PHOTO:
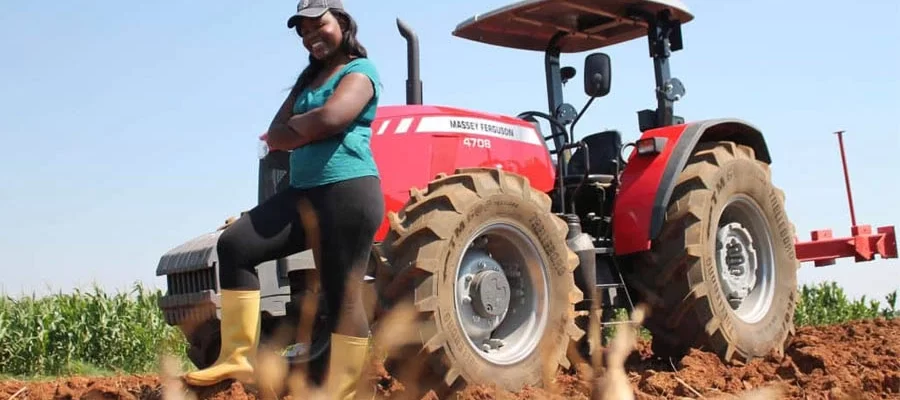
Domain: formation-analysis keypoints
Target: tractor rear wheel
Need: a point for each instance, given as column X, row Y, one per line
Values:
column 491, row 277
column 722, row 275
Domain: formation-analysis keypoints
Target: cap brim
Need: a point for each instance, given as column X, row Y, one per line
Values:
column 311, row 12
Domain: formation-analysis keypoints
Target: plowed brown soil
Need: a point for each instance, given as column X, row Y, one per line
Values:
column 859, row 360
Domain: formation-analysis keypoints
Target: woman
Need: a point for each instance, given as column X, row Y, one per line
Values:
column 325, row 121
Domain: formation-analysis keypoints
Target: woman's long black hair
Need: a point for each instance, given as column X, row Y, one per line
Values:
column 350, row 45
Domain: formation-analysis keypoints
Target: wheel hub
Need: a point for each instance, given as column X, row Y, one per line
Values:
column 745, row 257
column 501, row 293
column 480, row 298
column 739, row 262
column 490, row 293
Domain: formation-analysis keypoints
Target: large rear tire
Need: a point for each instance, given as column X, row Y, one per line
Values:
column 482, row 255
column 722, row 276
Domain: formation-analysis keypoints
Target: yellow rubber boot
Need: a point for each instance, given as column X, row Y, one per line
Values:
column 240, row 338
column 348, row 357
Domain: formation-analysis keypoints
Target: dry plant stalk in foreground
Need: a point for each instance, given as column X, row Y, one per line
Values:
column 614, row 384
column 395, row 334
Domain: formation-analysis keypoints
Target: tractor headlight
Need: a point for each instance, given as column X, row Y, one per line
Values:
column 652, row 145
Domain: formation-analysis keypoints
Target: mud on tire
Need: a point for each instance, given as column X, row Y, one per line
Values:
column 427, row 248
column 680, row 279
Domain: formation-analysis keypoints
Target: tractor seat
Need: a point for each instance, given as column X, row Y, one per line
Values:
column 604, row 149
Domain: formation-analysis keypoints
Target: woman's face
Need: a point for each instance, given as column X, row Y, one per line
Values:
column 321, row 36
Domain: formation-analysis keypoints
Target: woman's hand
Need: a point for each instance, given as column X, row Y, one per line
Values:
column 278, row 135
column 273, row 142
column 282, row 137
column 265, row 138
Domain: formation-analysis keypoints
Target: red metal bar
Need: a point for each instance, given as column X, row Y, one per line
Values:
column 862, row 245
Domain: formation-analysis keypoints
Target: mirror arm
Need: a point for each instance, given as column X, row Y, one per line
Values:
column 578, row 117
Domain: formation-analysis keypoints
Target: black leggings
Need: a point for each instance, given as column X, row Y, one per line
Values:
column 339, row 218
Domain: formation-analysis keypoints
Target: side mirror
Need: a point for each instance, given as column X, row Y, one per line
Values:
column 597, row 75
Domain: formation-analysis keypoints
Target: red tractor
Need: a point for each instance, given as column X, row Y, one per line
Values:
column 502, row 234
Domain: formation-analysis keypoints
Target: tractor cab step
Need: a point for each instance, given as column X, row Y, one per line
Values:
column 610, row 286
column 610, row 289
column 613, row 296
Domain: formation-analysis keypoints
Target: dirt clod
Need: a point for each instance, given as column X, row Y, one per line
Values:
column 849, row 361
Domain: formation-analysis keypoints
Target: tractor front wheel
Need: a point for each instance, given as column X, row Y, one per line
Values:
column 722, row 275
column 493, row 280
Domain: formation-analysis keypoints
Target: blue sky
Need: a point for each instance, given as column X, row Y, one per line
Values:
column 130, row 127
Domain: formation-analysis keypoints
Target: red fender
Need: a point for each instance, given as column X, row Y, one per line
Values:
column 648, row 180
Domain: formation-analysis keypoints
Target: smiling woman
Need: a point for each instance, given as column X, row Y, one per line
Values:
column 334, row 202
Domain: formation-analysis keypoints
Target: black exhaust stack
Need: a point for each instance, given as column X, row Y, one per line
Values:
column 413, row 83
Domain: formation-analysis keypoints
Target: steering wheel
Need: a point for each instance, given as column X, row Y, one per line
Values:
column 553, row 121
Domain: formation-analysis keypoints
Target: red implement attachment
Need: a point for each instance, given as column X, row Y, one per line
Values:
column 863, row 245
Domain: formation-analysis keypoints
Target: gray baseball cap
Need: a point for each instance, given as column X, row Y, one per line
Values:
column 313, row 9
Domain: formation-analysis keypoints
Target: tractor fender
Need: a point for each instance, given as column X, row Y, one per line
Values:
column 647, row 181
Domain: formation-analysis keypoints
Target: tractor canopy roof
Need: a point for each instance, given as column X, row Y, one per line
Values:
column 591, row 24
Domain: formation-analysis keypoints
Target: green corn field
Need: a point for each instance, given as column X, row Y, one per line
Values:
column 827, row 304
column 85, row 332
column 95, row 332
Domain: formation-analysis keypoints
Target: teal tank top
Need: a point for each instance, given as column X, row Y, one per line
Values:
column 344, row 155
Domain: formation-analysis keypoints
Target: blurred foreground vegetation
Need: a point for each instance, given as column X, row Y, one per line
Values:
column 95, row 332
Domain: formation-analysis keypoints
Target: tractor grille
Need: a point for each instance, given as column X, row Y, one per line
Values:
column 191, row 281
column 187, row 308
